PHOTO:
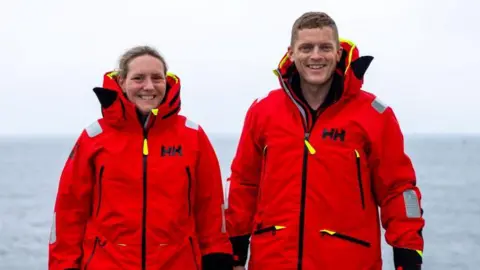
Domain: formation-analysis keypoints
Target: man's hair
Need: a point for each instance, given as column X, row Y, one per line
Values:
column 311, row 20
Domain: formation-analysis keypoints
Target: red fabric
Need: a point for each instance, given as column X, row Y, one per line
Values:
column 267, row 172
column 100, row 201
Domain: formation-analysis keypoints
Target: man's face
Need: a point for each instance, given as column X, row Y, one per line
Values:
column 315, row 53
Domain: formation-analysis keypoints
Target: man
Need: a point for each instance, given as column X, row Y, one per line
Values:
column 315, row 161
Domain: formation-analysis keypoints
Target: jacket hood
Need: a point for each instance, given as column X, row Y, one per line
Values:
column 118, row 110
column 351, row 67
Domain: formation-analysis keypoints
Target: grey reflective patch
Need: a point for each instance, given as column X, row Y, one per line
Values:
column 53, row 230
column 190, row 124
column 224, row 225
column 378, row 105
column 94, row 129
column 412, row 206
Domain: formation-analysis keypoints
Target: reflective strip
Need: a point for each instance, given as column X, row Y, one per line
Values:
column 378, row 105
column 190, row 124
column 53, row 230
column 224, row 222
column 412, row 206
column 94, row 129
column 112, row 74
column 173, row 76
column 350, row 52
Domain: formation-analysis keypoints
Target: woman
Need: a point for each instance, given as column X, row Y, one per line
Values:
column 142, row 187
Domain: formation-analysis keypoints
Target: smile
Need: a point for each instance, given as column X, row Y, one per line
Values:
column 316, row 66
column 146, row 97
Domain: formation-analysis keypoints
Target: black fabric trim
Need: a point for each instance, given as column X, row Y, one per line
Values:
column 174, row 99
column 217, row 261
column 407, row 258
column 172, row 112
column 106, row 97
column 240, row 249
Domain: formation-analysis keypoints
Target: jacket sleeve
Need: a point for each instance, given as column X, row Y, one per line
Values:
column 399, row 198
column 209, row 209
column 244, row 185
column 72, row 208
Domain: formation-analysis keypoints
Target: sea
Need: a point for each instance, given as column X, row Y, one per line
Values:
column 447, row 166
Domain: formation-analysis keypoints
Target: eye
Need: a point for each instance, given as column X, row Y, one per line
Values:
column 326, row 47
column 306, row 47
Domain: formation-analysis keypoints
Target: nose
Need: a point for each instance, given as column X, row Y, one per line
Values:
column 148, row 84
column 317, row 53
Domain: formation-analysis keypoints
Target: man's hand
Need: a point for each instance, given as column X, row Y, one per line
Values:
column 238, row 268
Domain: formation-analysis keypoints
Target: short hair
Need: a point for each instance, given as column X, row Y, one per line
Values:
column 135, row 52
column 310, row 20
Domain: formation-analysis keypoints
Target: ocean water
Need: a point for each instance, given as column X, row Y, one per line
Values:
column 448, row 169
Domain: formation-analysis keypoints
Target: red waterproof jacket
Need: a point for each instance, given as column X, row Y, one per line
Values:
column 307, row 190
column 140, row 197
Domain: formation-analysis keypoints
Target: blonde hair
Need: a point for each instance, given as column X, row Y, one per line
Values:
column 135, row 52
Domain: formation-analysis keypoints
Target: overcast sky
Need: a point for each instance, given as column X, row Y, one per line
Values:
column 54, row 52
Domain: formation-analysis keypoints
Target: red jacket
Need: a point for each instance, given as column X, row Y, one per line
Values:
column 131, row 197
column 307, row 190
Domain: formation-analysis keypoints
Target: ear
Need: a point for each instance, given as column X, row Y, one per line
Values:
column 290, row 52
column 360, row 66
column 121, row 81
column 339, row 54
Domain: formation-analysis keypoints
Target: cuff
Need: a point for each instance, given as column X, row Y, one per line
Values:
column 407, row 259
column 240, row 249
column 217, row 261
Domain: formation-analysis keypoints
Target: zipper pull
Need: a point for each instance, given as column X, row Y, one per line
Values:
column 310, row 147
column 145, row 147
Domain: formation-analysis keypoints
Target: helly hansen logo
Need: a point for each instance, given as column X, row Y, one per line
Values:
column 334, row 134
column 172, row 150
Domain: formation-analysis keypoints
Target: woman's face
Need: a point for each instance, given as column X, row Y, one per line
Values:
column 145, row 83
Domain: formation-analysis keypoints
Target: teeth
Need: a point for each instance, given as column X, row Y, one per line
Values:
column 147, row 97
column 316, row 66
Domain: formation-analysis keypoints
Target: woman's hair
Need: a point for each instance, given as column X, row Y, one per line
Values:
column 135, row 52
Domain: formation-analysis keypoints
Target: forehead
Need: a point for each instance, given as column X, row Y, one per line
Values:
column 316, row 35
column 146, row 64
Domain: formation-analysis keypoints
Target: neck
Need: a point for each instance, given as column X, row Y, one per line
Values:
column 315, row 95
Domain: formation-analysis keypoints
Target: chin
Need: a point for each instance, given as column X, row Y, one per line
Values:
column 317, row 81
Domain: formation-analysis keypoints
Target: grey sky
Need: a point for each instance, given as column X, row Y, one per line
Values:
column 54, row 52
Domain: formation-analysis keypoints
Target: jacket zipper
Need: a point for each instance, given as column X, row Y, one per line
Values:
column 302, row 203
column 193, row 252
column 100, row 177
column 359, row 177
column 92, row 253
column 346, row 237
column 189, row 175
column 144, row 212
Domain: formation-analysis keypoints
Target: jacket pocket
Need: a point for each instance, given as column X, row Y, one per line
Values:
column 189, row 190
column 194, row 255
column 95, row 244
column 272, row 229
column 359, row 178
column 100, row 178
column 345, row 237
